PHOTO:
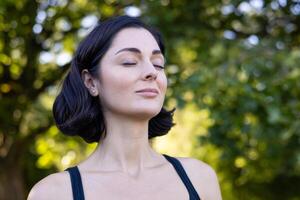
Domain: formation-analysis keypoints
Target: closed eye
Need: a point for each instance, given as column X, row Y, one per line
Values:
column 161, row 67
column 126, row 64
column 129, row 63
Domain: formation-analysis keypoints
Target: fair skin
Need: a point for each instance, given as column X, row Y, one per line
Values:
column 124, row 165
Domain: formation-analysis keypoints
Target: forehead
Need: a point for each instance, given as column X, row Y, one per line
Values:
column 134, row 37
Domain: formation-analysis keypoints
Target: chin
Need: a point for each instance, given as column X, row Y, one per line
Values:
column 146, row 113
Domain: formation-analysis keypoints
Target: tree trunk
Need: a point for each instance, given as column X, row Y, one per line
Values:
column 12, row 183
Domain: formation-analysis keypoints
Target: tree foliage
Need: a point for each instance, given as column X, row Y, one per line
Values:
column 232, row 65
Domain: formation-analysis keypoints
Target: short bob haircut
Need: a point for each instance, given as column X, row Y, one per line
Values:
column 75, row 111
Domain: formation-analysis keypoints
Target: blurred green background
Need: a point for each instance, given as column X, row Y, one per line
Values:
column 234, row 76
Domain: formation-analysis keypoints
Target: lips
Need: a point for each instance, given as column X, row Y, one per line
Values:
column 153, row 90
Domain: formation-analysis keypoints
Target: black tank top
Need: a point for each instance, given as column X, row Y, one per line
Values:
column 78, row 193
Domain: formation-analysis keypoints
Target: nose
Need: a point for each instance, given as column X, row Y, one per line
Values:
column 150, row 72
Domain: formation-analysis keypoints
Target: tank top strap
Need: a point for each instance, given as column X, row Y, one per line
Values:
column 77, row 188
column 184, row 177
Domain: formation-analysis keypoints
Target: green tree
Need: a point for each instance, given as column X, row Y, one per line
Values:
column 236, row 60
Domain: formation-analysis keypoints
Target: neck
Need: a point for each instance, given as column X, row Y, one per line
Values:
column 126, row 148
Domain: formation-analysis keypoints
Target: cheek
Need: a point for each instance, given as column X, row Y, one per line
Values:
column 163, row 83
column 116, row 83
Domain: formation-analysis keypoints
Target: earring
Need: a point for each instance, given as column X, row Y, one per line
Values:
column 93, row 90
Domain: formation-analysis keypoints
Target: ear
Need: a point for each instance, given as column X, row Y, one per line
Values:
column 90, row 82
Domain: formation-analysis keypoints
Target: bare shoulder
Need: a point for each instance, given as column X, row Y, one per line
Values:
column 203, row 177
column 54, row 186
column 197, row 168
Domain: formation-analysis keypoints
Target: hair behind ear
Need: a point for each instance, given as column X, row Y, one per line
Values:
column 75, row 111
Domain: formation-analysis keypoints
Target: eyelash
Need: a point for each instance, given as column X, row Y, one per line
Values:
column 126, row 64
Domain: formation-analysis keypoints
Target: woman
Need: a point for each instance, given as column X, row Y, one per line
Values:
column 114, row 95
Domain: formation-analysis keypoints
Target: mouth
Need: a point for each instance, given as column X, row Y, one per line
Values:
column 148, row 94
column 148, row 90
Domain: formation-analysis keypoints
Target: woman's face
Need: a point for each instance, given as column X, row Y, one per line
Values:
column 133, row 62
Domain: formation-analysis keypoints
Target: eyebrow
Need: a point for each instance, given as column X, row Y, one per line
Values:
column 135, row 50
